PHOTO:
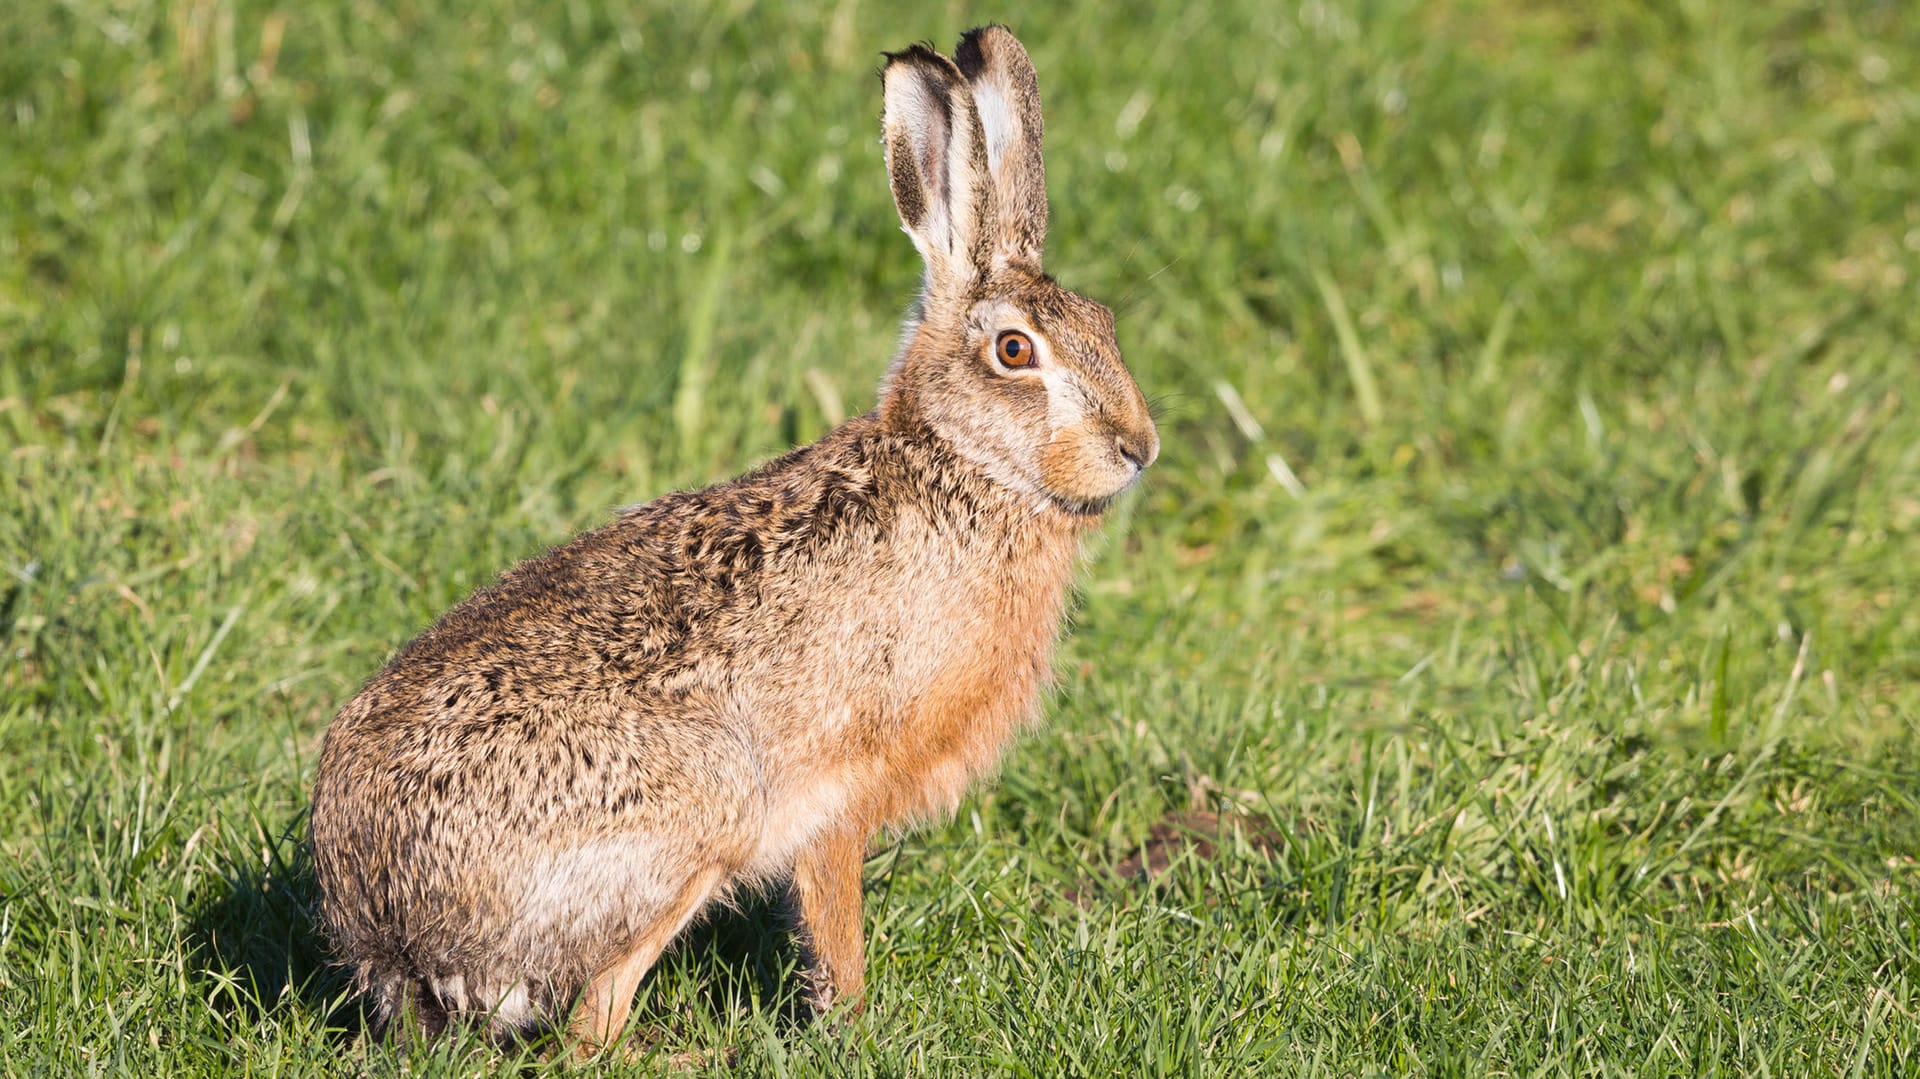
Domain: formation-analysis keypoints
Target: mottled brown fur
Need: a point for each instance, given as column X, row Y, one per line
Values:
column 742, row 684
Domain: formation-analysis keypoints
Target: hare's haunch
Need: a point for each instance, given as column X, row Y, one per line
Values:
column 742, row 684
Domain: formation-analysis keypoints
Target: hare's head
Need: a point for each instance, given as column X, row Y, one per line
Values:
column 1021, row 376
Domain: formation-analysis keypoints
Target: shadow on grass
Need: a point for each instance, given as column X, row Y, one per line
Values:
column 257, row 944
column 260, row 954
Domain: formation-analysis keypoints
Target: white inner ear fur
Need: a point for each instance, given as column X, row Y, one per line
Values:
column 922, row 112
column 913, row 110
column 996, row 121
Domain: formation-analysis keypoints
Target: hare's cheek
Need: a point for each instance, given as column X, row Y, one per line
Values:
column 1066, row 402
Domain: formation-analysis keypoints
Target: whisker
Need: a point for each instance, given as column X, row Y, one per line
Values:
column 1126, row 301
column 1162, row 405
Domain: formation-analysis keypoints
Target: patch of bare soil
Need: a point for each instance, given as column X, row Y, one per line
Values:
column 1196, row 834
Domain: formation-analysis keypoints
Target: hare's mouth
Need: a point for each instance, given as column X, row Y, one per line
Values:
column 1084, row 475
column 1084, row 504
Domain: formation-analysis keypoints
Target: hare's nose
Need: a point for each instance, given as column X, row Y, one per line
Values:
column 1139, row 448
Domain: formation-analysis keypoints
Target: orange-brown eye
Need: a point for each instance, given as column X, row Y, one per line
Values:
column 1015, row 349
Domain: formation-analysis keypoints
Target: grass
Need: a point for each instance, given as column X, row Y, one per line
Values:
column 1512, row 667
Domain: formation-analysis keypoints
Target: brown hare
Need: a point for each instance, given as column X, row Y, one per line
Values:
column 741, row 685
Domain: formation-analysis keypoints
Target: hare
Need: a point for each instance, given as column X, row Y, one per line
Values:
column 741, row 685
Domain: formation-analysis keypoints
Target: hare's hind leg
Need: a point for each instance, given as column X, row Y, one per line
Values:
column 608, row 998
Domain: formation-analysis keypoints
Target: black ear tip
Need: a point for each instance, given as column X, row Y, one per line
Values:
column 918, row 52
column 915, row 54
column 985, row 30
column 992, row 45
column 922, row 57
column 970, row 53
column 966, row 55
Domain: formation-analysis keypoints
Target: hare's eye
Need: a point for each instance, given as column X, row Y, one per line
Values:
column 1015, row 349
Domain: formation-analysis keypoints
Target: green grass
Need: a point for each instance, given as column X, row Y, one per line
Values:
column 1522, row 612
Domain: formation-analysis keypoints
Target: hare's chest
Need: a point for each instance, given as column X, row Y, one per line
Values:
column 921, row 663
column 971, row 684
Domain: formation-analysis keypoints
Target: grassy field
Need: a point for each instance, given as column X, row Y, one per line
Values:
column 1511, row 668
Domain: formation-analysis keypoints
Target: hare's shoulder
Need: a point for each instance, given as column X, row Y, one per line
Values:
column 639, row 598
column 853, row 487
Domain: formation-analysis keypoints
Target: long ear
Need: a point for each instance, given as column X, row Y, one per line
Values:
column 1007, row 95
column 937, row 161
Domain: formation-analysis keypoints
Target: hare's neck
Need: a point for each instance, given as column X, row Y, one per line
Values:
column 963, row 488
column 990, row 484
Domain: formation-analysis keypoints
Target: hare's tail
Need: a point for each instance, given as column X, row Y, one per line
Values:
column 407, row 1007
column 403, row 1009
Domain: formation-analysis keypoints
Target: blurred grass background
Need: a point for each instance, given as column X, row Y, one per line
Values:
column 1511, row 667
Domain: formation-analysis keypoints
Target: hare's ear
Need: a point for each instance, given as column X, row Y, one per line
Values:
column 937, row 161
column 1007, row 96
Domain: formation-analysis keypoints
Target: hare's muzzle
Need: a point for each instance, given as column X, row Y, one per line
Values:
column 1140, row 447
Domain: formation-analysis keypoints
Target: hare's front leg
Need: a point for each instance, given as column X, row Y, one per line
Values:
column 826, row 886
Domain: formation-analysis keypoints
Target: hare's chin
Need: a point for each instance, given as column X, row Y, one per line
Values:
column 1090, row 504
column 1083, row 507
